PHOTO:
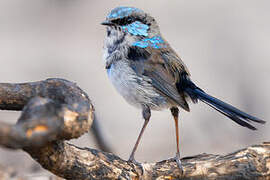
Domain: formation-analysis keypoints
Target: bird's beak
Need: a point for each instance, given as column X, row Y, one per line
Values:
column 107, row 23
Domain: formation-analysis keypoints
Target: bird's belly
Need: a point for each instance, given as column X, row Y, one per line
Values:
column 137, row 90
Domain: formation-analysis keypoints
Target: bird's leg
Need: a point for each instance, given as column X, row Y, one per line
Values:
column 146, row 112
column 175, row 112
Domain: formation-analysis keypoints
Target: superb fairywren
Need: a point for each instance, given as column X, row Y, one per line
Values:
column 148, row 73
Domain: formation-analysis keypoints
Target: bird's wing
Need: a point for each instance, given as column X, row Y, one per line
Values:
column 163, row 67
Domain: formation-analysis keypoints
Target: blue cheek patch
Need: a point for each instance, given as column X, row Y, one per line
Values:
column 155, row 42
column 121, row 12
column 140, row 44
column 136, row 28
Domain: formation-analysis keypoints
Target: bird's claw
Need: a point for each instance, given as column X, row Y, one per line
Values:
column 135, row 163
column 178, row 162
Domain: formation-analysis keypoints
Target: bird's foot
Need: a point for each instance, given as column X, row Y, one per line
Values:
column 178, row 162
column 135, row 163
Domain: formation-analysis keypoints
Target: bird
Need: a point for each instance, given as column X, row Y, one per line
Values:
column 149, row 74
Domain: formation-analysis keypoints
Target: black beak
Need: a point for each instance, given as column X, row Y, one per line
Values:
column 107, row 23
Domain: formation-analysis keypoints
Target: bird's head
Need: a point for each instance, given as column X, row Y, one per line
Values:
column 130, row 21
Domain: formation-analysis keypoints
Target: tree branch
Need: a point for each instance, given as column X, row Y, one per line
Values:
column 71, row 162
column 55, row 110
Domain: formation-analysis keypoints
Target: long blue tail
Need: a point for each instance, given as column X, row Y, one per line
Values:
column 226, row 109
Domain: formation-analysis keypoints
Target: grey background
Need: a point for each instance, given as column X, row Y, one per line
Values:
column 225, row 44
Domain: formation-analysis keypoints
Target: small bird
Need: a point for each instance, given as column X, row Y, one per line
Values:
column 149, row 74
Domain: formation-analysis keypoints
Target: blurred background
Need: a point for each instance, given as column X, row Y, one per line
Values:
column 225, row 45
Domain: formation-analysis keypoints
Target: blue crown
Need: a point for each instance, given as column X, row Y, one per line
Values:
column 121, row 12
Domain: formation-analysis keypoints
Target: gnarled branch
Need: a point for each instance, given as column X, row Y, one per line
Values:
column 71, row 162
column 55, row 110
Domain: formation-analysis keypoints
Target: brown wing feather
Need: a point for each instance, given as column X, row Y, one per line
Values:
column 164, row 68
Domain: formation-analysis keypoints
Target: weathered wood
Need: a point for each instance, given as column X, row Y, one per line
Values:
column 71, row 162
column 55, row 110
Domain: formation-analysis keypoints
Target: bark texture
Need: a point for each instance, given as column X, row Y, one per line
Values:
column 56, row 110
column 71, row 162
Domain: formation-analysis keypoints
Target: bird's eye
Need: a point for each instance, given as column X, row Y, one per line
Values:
column 129, row 20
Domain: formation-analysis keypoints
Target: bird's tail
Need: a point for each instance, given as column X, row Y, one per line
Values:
column 226, row 109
